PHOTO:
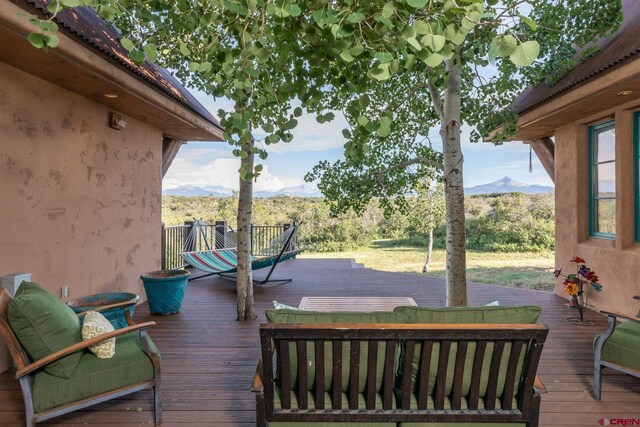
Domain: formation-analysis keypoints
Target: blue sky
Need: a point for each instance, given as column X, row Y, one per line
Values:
column 209, row 164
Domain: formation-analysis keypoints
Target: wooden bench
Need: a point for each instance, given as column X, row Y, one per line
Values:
column 399, row 373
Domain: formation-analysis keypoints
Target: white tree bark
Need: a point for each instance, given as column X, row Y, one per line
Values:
column 425, row 268
column 456, row 292
column 245, row 207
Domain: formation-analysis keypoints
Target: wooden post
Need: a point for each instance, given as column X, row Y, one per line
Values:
column 221, row 234
column 285, row 228
column 170, row 148
column 191, row 246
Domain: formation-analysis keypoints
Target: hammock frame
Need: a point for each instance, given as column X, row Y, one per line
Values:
column 273, row 261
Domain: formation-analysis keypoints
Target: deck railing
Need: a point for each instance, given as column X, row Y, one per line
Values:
column 264, row 240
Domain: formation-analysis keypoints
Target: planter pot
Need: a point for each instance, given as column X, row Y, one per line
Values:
column 115, row 316
column 165, row 290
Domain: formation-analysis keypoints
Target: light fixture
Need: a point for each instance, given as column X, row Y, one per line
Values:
column 111, row 95
column 116, row 122
column 199, row 138
column 624, row 93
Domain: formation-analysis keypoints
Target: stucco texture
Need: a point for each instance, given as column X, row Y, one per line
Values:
column 615, row 261
column 81, row 202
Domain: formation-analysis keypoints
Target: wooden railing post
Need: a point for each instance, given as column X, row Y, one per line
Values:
column 188, row 246
column 221, row 234
column 163, row 246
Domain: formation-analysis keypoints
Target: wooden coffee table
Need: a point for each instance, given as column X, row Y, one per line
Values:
column 354, row 303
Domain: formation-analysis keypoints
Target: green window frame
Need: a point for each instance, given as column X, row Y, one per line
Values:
column 600, row 202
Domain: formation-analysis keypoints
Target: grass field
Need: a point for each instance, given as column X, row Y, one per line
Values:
column 515, row 269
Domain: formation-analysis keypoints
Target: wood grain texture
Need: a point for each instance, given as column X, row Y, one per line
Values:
column 209, row 359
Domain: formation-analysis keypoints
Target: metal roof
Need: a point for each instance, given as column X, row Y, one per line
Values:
column 86, row 24
column 615, row 51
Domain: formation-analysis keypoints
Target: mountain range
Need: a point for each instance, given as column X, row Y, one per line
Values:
column 504, row 185
column 508, row 185
column 301, row 190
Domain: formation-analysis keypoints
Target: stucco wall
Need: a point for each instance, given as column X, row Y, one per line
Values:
column 80, row 202
column 615, row 261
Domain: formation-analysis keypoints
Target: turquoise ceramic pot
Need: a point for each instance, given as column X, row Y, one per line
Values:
column 165, row 290
column 115, row 315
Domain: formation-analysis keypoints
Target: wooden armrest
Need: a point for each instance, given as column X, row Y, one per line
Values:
column 77, row 347
column 620, row 315
column 538, row 386
column 110, row 306
column 257, row 385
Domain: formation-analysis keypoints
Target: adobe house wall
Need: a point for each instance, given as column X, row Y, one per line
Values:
column 615, row 261
column 80, row 202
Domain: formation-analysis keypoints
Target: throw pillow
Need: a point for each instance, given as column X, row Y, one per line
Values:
column 94, row 325
column 44, row 324
column 280, row 306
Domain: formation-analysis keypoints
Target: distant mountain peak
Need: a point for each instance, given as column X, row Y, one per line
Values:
column 508, row 185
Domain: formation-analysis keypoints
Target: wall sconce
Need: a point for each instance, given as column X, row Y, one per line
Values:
column 116, row 122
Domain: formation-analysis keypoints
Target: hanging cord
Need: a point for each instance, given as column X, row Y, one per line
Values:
column 530, row 159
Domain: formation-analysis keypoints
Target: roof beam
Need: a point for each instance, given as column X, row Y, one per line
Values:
column 170, row 148
column 545, row 150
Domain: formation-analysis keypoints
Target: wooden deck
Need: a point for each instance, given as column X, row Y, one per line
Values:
column 209, row 358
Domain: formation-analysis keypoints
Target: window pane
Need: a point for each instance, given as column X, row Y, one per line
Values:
column 606, row 180
column 604, row 212
column 606, row 140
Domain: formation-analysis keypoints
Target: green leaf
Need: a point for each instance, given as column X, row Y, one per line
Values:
column 415, row 43
column 354, row 18
column 346, row 56
column 433, row 60
column 388, row 9
column 52, row 41
column 37, row 40
column 381, row 72
column 502, row 46
column 137, row 56
column 258, row 168
column 297, row 112
column 418, row 4
column 525, row 54
column 293, row 9
column 151, row 51
column 385, row 127
column 346, row 133
column 421, row 27
column 362, row 120
column 433, row 42
column 356, row 50
column 127, row 44
column 383, row 56
column 184, row 49
column 530, row 22
column 291, row 124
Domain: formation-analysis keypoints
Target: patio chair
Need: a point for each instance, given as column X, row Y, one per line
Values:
column 56, row 372
column 618, row 347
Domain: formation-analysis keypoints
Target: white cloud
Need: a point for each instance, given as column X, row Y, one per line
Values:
column 221, row 172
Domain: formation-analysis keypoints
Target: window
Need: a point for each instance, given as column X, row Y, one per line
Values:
column 602, row 180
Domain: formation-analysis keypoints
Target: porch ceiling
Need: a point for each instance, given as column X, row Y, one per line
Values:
column 209, row 358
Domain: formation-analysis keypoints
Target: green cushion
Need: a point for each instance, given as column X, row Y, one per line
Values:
column 502, row 314
column 623, row 346
column 93, row 376
column 456, row 315
column 44, row 324
column 462, row 424
column 314, row 317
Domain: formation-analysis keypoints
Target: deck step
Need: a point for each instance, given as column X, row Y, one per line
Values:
column 355, row 264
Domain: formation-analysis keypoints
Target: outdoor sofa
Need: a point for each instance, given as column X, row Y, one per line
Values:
column 411, row 367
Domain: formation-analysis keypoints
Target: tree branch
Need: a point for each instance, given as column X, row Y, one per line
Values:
column 436, row 100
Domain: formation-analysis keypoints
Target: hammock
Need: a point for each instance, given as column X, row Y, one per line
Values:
column 224, row 261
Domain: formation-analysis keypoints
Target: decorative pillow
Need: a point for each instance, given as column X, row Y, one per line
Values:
column 94, row 325
column 44, row 324
column 280, row 306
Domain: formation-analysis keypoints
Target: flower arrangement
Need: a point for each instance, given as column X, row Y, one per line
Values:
column 574, row 285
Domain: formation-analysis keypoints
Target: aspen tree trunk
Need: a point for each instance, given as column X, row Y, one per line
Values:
column 245, row 206
column 425, row 268
column 456, row 294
